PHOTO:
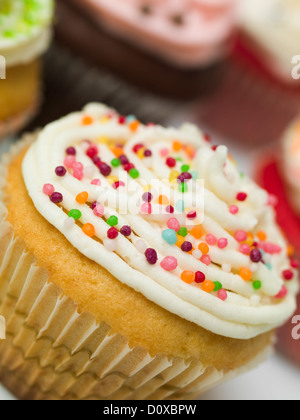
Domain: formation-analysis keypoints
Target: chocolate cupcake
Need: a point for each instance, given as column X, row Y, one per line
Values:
column 169, row 47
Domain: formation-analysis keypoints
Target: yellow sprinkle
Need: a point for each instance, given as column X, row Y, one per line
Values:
column 174, row 175
column 103, row 140
column 104, row 119
column 141, row 153
column 112, row 179
column 147, row 188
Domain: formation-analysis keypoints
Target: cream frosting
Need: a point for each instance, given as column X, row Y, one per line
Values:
column 246, row 312
column 187, row 34
column 24, row 29
column 274, row 25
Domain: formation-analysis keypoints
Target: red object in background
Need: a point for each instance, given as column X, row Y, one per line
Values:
column 251, row 106
column 269, row 177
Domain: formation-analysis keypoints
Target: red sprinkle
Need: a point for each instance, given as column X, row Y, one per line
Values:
column 170, row 209
column 92, row 151
column 241, row 196
column 199, row 277
column 288, row 275
column 112, row 233
column 192, row 215
column 171, row 162
column 295, row 263
column 137, row 147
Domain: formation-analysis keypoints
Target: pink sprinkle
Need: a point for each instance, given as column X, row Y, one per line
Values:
column 146, row 208
column 211, row 239
column 205, row 259
column 174, row 224
column 77, row 166
column 48, row 189
column 169, row 263
column 69, row 161
column 240, row 236
column 272, row 200
column 118, row 184
column 222, row 243
column 96, row 182
column 270, row 248
column 233, row 209
column 164, row 152
column 99, row 210
column 294, row 263
column 282, row 294
column 78, row 174
column 222, row 294
column 245, row 249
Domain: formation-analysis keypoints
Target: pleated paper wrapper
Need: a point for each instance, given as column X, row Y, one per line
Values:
column 53, row 352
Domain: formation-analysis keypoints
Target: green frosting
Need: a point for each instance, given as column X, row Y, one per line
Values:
column 22, row 18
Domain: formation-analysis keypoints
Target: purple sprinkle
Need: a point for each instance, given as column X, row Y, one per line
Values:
column 60, row 171
column 147, row 197
column 123, row 159
column 185, row 176
column 56, row 197
column 126, row 231
column 105, row 169
column 151, row 256
column 148, row 153
column 71, row 151
column 94, row 205
column 256, row 255
column 96, row 160
column 186, row 246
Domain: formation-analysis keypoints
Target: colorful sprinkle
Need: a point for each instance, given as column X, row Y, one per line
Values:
column 188, row 276
column 233, row 209
column 115, row 163
column 169, row 235
column 76, row 214
column 82, row 198
column 222, row 294
column 48, row 189
column 105, row 169
column 197, row 232
column 199, row 277
column 134, row 173
column 151, row 256
column 126, row 231
column 218, row 286
column 186, row 246
column 89, row 229
column 96, row 182
column 69, row 162
column 282, row 294
column 92, row 151
column 71, row 151
column 169, row 263
column 205, row 259
column 255, row 255
column 147, row 197
column 112, row 221
column 112, row 233
column 288, row 275
column 241, row 196
column 245, row 249
column 256, row 285
column 60, row 171
column 245, row 273
column 222, row 243
column 240, row 236
column 174, row 224
column 146, row 208
column 56, row 197
column 182, row 232
column 98, row 210
column 211, row 239
column 208, row 286
column 171, row 162
column 204, row 248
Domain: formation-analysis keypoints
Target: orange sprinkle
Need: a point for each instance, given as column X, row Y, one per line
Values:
column 290, row 250
column 82, row 198
column 180, row 241
column 245, row 273
column 177, row 146
column 89, row 230
column 262, row 236
column 134, row 125
column 118, row 151
column 190, row 151
column 188, row 277
column 87, row 120
column 208, row 286
column 204, row 248
column 197, row 232
column 163, row 200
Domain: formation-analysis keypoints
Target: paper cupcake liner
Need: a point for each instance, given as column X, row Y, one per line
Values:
column 54, row 352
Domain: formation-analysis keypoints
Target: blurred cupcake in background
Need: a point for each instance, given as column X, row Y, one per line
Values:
column 271, row 28
column 170, row 47
column 25, row 33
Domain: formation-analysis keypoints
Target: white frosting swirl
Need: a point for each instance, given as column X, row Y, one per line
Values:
column 247, row 312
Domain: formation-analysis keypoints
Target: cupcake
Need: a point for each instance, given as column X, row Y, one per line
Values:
column 169, row 47
column 272, row 30
column 136, row 263
column 24, row 36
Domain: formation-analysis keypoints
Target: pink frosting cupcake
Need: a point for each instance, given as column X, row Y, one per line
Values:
column 171, row 41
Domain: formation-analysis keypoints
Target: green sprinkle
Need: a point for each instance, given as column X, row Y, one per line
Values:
column 134, row 173
column 183, row 187
column 185, row 168
column 218, row 286
column 112, row 221
column 183, row 232
column 76, row 214
column 115, row 163
column 257, row 285
column 179, row 159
